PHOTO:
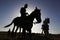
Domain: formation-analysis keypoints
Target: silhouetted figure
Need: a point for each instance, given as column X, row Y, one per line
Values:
column 27, row 23
column 23, row 14
column 23, row 11
column 45, row 27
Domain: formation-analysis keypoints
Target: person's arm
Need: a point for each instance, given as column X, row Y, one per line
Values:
column 27, row 14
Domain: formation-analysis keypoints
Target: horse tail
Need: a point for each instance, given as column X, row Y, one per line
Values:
column 9, row 24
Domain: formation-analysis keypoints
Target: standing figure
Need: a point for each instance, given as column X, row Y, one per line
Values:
column 45, row 26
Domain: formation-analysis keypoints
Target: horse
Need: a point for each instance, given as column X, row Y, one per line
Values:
column 27, row 22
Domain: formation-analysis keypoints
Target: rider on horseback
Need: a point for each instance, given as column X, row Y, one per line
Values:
column 23, row 11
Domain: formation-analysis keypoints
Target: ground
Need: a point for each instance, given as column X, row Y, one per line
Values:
column 35, row 36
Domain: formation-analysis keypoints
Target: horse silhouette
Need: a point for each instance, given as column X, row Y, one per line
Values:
column 27, row 22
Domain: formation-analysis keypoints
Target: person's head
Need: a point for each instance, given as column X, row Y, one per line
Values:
column 26, row 5
column 47, row 20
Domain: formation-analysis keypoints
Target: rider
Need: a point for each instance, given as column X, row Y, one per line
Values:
column 23, row 11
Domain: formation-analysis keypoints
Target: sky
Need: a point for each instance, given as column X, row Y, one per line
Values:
column 9, row 9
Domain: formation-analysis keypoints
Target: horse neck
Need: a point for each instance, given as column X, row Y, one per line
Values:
column 31, row 16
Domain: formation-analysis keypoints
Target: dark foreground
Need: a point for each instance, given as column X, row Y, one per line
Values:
column 35, row 36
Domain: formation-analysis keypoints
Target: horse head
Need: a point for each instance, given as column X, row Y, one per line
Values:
column 37, row 15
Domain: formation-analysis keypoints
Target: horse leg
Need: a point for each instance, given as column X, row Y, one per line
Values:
column 12, row 34
column 30, row 34
column 16, row 29
column 20, row 30
column 13, row 28
column 23, row 34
